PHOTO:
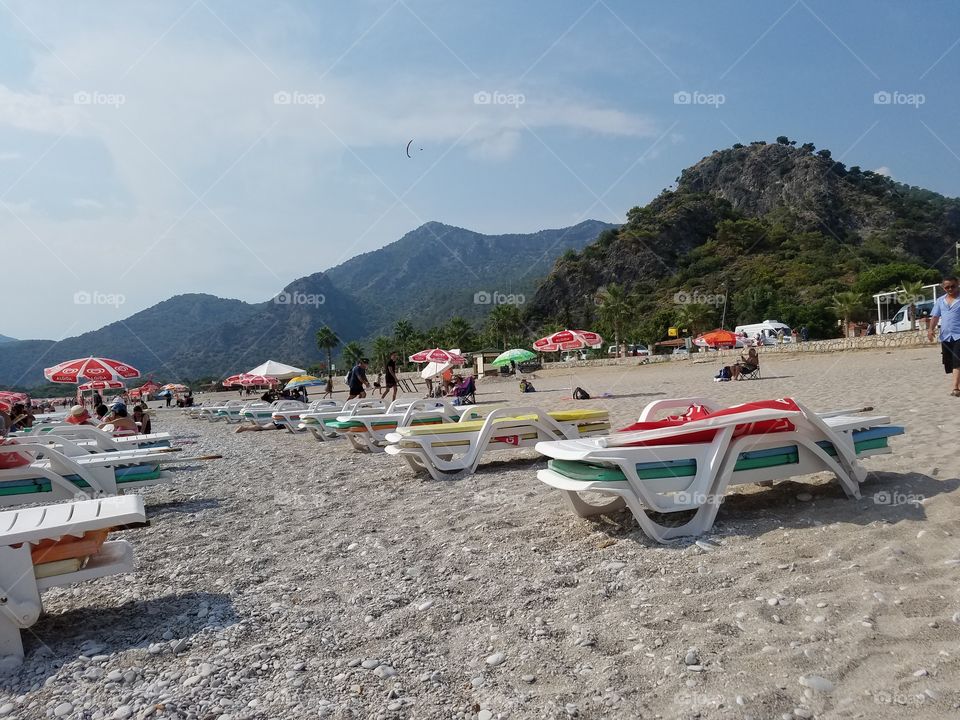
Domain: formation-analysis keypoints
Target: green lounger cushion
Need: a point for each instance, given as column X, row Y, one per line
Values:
column 134, row 474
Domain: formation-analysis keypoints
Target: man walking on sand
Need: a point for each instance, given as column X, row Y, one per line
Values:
column 390, row 370
column 358, row 380
column 946, row 314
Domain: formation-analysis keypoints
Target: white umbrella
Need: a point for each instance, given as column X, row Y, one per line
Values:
column 433, row 369
column 274, row 369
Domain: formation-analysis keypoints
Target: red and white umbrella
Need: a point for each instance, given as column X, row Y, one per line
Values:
column 439, row 356
column 9, row 399
column 101, row 385
column 248, row 380
column 175, row 387
column 568, row 340
column 91, row 368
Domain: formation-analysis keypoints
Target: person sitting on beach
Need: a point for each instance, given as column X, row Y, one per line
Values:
column 118, row 419
column 21, row 417
column 78, row 416
column 142, row 418
column 747, row 365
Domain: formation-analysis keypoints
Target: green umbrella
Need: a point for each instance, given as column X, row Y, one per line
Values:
column 517, row 355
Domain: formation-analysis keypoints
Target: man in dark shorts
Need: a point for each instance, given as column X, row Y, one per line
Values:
column 358, row 379
column 946, row 314
column 390, row 371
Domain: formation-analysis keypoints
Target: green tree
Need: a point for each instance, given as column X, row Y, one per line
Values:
column 912, row 293
column 352, row 352
column 504, row 322
column 404, row 334
column 615, row 307
column 327, row 340
column 382, row 347
column 845, row 306
column 696, row 317
column 458, row 333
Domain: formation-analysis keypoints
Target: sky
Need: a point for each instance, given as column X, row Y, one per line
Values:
column 149, row 149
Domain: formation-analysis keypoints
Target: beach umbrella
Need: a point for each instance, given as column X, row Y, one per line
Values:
column 175, row 387
column 439, row 356
column 90, row 368
column 568, row 340
column 304, row 381
column 716, row 338
column 164, row 393
column 8, row 399
column 100, row 385
column 274, row 369
column 517, row 355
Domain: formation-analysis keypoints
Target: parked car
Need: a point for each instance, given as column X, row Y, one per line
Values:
column 631, row 351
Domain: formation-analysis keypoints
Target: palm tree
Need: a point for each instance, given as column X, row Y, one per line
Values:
column 615, row 310
column 327, row 340
column 382, row 347
column 459, row 334
column 352, row 352
column 504, row 322
column 912, row 291
column 696, row 317
column 403, row 334
column 846, row 305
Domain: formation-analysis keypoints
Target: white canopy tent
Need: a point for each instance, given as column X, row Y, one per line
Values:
column 274, row 369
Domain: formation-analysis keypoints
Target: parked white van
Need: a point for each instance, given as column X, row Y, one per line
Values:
column 901, row 321
column 767, row 330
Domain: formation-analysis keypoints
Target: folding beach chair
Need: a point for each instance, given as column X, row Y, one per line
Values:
column 56, row 546
column 686, row 463
column 368, row 433
column 452, row 450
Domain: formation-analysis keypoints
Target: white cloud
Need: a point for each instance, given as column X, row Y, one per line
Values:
column 36, row 112
column 883, row 170
column 10, row 155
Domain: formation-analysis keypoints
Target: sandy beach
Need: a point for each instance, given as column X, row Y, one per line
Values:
column 297, row 579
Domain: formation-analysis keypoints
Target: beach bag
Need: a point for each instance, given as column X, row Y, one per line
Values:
column 724, row 373
column 349, row 378
column 580, row 394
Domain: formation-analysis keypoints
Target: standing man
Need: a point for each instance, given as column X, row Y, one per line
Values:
column 946, row 314
column 358, row 379
column 390, row 370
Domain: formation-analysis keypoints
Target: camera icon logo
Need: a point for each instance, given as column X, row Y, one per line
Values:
column 482, row 98
column 481, row 298
column 682, row 98
column 82, row 98
column 882, row 98
column 283, row 298
column 82, row 297
column 281, row 98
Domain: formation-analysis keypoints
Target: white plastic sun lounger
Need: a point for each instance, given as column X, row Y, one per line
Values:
column 368, row 433
column 229, row 411
column 101, row 440
column 261, row 415
column 452, row 450
column 53, row 546
column 289, row 418
column 684, row 476
column 69, row 472
column 316, row 422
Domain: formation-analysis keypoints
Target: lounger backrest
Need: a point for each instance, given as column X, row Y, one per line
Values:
column 9, row 460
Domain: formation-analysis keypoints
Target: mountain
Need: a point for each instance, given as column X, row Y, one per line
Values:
column 418, row 277
column 755, row 232
column 4, row 338
column 434, row 272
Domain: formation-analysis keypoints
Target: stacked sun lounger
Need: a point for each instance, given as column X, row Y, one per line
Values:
column 368, row 432
column 450, row 450
column 687, row 462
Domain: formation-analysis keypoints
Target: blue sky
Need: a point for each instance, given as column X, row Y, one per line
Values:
column 155, row 148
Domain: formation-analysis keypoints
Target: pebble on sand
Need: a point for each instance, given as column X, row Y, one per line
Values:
column 496, row 659
column 816, row 683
